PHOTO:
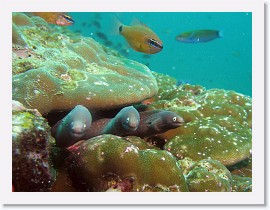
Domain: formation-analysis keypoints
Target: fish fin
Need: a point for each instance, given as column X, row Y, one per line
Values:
column 135, row 21
column 115, row 25
column 221, row 33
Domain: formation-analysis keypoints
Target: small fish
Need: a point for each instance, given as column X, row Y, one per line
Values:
column 58, row 18
column 182, row 82
column 101, row 35
column 96, row 24
column 140, row 37
column 198, row 36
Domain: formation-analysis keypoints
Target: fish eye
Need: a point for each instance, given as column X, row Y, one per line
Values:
column 174, row 119
column 120, row 28
column 154, row 43
column 68, row 18
column 127, row 120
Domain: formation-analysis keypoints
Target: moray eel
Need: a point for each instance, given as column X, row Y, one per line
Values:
column 156, row 121
column 72, row 127
column 126, row 121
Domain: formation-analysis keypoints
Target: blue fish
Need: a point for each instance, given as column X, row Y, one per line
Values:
column 198, row 36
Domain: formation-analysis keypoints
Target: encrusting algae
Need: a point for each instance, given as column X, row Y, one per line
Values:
column 55, row 70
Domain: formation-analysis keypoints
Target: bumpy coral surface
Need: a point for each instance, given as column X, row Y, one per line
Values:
column 109, row 162
column 241, row 184
column 218, row 122
column 56, row 70
column 209, row 176
column 31, row 166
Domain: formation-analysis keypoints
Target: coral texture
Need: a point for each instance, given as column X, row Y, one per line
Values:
column 31, row 165
column 218, row 122
column 102, row 162
column 209, row 176
column 58, row 70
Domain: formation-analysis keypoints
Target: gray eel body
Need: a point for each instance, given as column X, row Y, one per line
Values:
column 72, row 127
column 78, row 125
column 156, row 121
column 126, row 121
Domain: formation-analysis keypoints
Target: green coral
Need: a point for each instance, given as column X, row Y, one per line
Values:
column 241, row 184
column 209, row 176
column 218, row 122
column 212, row 138
column 90, row 75
column 100, row 161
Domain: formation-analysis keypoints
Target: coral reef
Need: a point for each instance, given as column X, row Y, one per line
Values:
column 106, row 161
column 241, row 184
column 207, row 149
column 209, row 176
column 32, row 169
column 65, row 70
column 218, row 122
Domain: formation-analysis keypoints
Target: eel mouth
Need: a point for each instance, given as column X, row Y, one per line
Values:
column 77, row 135
column 178, row 124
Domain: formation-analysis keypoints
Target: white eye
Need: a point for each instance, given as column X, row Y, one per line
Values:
column 127, row 120
column 84, row 125
column 174, row 119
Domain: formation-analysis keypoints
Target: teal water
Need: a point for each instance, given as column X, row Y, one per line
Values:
column 224, row 63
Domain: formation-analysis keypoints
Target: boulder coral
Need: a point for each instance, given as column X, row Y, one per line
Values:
column 65, row 69
column 109, row 162
column 209, row 176
column 218, row 122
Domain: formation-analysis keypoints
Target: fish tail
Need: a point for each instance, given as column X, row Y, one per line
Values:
column 221, row 33
column 115, row 25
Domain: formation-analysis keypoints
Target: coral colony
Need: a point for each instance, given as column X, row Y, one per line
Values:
column 85, row 118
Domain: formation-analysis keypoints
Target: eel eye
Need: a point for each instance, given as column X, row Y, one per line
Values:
column 127, row 120
column 174, row 119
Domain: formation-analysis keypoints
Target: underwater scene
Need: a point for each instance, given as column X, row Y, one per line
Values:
column 131, row 102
